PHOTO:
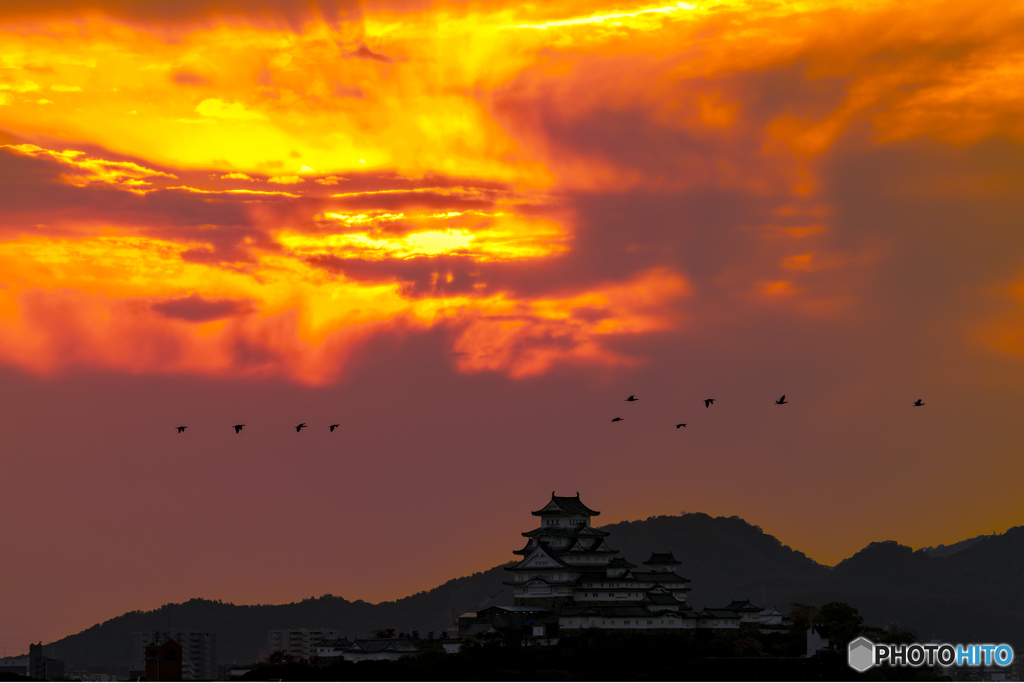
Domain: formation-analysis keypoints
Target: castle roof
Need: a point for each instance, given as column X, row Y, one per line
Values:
column 338, row 643
column 590, row 546
column 383, row 645
column 743, row 606
column 565, row 505
column 615, row 611
column 577, row 530
column 662, row 558
column 660, row 577
column 661, row 599
column 540, row 579
column 555, row 557
column 620, row 562
column 607, row 611
column 512, row 608
column 478, row 630
column 716, row 613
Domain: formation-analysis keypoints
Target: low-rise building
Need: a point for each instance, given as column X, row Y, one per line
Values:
column 198, row 651
column 15, row 665
column 511, row 623
column 773, row 621
column 163, row 661
column 817, row 640
column 717, row 618
column 329, row 650
column 300, row 643
column 41, row 667
column 626, row 617
column 380, row 648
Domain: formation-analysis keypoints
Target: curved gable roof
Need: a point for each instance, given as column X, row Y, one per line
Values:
column 565, row 505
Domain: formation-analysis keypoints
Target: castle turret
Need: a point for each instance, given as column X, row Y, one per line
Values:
column 566, row 560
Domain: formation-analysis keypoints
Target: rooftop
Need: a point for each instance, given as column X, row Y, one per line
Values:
column 662, row 558
column 383, row 645
column 565, row 505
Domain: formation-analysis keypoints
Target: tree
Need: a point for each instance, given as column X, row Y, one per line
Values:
column 278, row 657
column 384, row 633
column 841, row 622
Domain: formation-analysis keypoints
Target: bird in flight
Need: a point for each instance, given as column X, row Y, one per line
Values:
column 333, row 426
column 181, row 429
column 299, row 427
column 238, row 428
column 918, row 402
column 616, row 419
column 781, row 400
column 708, row 402
column 681, row 424
column 632, row 398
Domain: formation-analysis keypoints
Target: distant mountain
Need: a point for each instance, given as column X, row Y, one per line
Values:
column 947, row 550
column 725, row 558
column 973, row 594
column 242, row 629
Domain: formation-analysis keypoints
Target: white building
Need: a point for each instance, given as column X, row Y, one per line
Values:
column 773, row 621
column 568, row 567
column 566, row 560
column 300, row 643
column 815, row 641
column 380, row 648
column 327, row 649
column 198, row 651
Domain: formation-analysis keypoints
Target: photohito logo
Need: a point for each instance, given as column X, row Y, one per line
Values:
column 862, row 654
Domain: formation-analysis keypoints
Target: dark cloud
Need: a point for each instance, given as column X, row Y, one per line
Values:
column 363, row 52
column 33, row 194
column 420, row 277
column 196, row 309
column 416, row 200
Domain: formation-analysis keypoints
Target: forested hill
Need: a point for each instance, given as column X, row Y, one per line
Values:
column 965, row 595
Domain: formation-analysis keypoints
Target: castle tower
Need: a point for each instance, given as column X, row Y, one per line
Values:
column 557, row 553
column 566, row 561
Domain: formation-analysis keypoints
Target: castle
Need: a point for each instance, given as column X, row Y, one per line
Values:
column 568, row 568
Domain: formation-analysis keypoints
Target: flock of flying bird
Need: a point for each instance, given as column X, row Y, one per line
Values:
column 708, row 401
column 238, row 428
column 707, row 404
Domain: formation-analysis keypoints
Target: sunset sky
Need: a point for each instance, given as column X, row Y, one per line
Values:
column 467, row 231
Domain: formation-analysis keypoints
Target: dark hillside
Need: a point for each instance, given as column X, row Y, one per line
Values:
column 973, row 595
column 725, row 557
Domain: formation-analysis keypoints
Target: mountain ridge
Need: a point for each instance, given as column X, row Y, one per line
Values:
column 970, row 593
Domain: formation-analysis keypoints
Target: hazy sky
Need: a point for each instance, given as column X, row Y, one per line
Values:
column 466, row 231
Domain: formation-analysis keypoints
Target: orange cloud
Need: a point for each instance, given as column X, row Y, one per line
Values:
column 119, row 299
column 83, row 171
column 480, row 158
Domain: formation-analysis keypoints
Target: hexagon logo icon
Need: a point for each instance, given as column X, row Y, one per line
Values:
column 861, row 654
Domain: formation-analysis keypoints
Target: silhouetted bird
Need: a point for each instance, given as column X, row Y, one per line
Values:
column 632, row 398
column 918, row 402
column 298, row 428
column 681, row 424
column 616, row 419
column 333, row 426
column 238, row 428
column 781, row 400
column 181, row 429
column 708, row 402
